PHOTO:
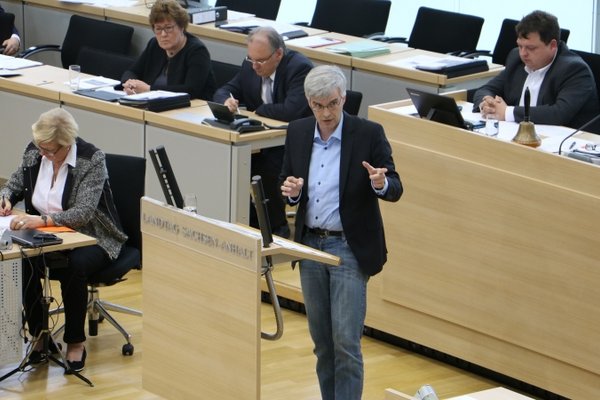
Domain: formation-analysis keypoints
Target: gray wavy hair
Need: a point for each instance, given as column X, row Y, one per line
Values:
column 323, row 81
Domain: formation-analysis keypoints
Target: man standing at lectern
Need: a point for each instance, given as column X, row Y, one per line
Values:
column 562, row 86
column 270, row 83
column 336, row 167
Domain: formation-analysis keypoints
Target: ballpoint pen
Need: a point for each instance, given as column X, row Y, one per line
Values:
column 237, row 108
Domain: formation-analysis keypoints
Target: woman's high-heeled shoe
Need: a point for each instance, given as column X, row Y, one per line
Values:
column 77, row 366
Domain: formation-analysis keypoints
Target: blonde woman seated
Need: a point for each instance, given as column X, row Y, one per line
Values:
column 63, row 180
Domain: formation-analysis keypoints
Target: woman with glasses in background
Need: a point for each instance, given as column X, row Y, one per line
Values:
column 173, row 60
column 63, row 181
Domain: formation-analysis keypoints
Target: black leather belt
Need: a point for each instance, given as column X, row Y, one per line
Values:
column 324, row 232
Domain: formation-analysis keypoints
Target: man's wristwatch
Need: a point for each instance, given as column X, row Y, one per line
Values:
column 45, row 219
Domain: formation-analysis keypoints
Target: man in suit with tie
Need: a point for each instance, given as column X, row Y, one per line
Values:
column 337, row 167
column 270, row 83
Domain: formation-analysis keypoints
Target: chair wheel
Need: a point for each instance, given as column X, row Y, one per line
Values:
column 127, row 349
column 93, row 327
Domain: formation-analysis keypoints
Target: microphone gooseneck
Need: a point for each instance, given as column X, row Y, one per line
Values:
column 582, row 127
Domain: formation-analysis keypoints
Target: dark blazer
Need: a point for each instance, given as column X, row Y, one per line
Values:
column 14, row 28
column 189, row 71
column 289, row 101
column 567, row 96
column 362, row 140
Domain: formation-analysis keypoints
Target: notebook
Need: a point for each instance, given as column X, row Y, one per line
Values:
column 34, row 238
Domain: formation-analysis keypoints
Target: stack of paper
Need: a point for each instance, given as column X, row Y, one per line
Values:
column 12, row 63
column 361, row 49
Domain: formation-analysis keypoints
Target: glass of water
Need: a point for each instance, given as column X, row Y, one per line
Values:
column 190, row 203
column 74, row 76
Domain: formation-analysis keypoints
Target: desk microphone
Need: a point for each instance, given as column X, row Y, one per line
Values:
column 582, row 127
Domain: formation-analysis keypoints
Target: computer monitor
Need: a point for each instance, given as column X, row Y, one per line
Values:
column 168, row 183
column 438, row 108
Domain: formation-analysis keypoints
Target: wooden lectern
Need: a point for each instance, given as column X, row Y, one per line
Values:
column 201, row 301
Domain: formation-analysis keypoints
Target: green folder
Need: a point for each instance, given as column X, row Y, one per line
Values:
column 361, row 49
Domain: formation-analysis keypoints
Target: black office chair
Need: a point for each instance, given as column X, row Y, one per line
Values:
column 127, row 189
column 353, row 100
column 507, row 40
column 442, row 32
column 83, row 31
column 351, row 17
column 593, row 60
column 7, row 23
column 103, row 63
column 224, row 72
column 267, row 9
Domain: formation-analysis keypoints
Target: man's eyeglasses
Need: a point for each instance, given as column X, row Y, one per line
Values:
column 166, row 29
column 260, row 62
column 47, row 152
column 333, row 104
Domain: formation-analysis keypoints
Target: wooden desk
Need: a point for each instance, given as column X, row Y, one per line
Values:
column 11, row 292
column 384, row 78
column 23, row 99
column 374, row 77
column 109, row 126
column 213, row 163
column 321, row 55
column 493, row 255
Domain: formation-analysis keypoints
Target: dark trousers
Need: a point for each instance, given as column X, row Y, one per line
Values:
column 268, row 164
column 82, row 263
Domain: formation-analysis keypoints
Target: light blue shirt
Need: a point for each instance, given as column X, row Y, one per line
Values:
column 323, row 206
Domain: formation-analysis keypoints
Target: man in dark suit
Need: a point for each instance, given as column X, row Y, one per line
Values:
column 562, row 85
column 336, row 167
column 12, row 43
column 269, row 83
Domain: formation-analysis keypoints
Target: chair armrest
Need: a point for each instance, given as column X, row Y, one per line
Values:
column 39, row 49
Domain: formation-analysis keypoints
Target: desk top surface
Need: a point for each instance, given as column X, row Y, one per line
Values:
column 71, row 240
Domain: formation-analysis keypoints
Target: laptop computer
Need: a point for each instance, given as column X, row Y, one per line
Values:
column 438, row 108
column 34, row 238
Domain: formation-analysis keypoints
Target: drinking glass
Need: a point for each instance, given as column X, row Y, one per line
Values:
column 74, row 75
column 491, row 125
column 190, row 203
